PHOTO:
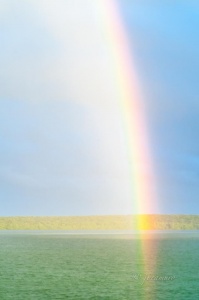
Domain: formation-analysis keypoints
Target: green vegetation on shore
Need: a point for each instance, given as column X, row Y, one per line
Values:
column 117, row 222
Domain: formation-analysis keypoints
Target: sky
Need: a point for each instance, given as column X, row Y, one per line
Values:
column 62, row 140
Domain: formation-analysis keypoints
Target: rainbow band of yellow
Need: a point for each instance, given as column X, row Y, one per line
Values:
column 133, row 111
column 135, row 125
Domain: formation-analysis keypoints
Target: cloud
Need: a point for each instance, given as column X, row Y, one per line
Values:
column 67, row 57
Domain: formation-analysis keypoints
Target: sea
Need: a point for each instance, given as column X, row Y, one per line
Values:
column 114, row 265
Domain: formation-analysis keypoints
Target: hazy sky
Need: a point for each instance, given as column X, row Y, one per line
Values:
column 62, row 143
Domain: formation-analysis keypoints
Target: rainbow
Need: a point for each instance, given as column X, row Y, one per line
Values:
column 133, row 111
column 134, row 123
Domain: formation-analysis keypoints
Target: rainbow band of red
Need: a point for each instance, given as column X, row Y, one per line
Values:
column 133, row 110
column 135, row 127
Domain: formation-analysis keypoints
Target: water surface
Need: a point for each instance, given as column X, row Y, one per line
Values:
column 108, row 265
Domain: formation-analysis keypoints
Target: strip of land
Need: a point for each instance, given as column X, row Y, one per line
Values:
column 116, row 222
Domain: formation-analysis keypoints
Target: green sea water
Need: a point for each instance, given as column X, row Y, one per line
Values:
column 57, row 265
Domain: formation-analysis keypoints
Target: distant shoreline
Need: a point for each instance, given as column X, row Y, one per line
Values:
column 95, row 232
column 103, row 223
